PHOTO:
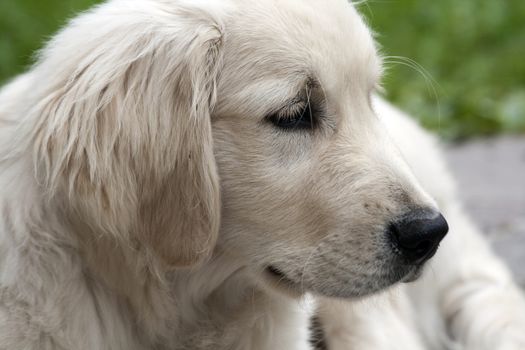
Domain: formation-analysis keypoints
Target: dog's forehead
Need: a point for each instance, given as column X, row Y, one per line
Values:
column 326, row 39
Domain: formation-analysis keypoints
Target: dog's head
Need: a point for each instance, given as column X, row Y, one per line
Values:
column 178, row 118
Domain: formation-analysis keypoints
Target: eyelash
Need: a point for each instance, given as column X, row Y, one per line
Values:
column 301, row 118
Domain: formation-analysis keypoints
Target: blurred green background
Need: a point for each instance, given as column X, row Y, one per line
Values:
column 473, row 52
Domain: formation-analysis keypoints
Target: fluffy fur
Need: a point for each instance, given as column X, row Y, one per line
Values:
column 144, row 193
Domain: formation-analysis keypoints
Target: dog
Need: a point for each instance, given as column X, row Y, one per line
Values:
column 207, row 174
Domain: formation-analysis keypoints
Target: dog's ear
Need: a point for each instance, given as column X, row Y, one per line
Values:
column 124, row 136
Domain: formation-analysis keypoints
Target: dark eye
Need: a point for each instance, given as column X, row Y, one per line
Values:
column 298, row 118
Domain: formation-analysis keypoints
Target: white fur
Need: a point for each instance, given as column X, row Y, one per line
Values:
column 143, row 192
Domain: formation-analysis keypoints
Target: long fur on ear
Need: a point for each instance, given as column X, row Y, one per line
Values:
column 123, row 138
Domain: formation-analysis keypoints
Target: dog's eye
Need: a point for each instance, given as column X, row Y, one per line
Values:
column 298, row 118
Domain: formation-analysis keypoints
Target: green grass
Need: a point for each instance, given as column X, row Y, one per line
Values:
column 474, row 50
column 26, row 24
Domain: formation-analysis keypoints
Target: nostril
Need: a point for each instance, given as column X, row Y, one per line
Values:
column 394, row 231
column 418, row 234
column 423, row 247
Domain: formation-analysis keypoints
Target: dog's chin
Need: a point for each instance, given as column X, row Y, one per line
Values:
column 278, row 281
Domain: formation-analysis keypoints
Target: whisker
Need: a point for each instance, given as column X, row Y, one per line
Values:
column 305, row 266
column 430, row 82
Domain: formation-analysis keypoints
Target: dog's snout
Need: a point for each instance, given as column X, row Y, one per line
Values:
column 417, row 235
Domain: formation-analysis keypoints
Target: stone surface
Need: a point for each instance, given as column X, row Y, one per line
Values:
column 491, row 181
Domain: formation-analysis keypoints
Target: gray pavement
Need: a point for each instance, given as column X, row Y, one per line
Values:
column 491, row 181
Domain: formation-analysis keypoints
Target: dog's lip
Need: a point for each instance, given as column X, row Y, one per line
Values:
column 277, row 275
column 278, row 279
column 276, row 272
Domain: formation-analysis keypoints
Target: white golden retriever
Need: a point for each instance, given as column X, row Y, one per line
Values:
column 179, row 174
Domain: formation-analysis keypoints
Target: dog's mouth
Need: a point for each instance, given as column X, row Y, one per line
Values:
column 275, row 271
column 278, row 279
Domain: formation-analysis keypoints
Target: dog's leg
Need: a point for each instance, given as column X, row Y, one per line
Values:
column 474, row 294
column 385, row 322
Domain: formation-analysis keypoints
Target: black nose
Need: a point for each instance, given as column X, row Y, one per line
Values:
column 417, row 234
